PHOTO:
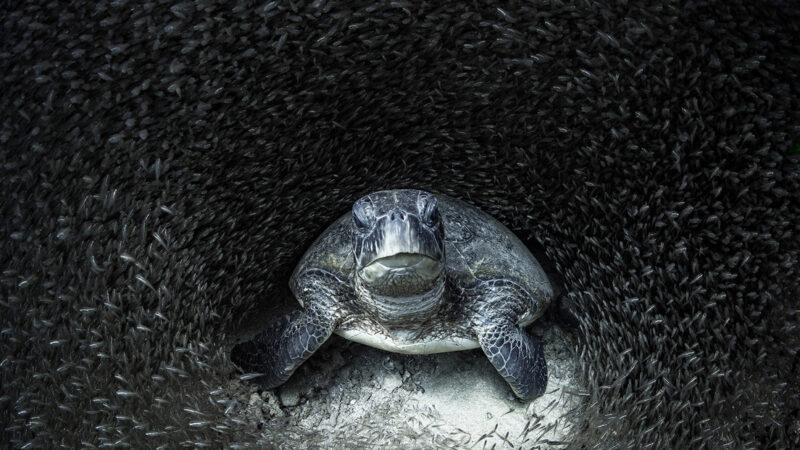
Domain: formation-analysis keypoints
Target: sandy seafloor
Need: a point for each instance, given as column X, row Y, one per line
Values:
column 348, row 394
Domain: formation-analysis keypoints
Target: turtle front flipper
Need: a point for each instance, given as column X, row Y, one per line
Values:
column 516, row 355
column 280, row 349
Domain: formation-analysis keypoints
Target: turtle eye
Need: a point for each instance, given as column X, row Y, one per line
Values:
column 360, row 218
column 431, row 212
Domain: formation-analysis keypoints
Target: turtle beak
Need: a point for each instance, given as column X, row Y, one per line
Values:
column 420, row 266
column 401, row 260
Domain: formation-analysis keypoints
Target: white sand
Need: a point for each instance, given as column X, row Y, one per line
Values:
column 350, row 394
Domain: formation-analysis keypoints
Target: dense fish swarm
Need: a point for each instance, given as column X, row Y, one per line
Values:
column 164, row 165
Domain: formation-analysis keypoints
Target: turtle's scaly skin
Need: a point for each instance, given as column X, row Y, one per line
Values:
column 281, row 348
column 490, row 287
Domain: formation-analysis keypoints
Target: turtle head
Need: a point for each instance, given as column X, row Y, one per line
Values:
column 399, row 243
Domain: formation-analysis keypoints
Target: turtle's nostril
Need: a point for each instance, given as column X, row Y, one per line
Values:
column 396, row 215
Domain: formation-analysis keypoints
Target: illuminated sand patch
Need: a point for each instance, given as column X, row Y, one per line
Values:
column 357, row 395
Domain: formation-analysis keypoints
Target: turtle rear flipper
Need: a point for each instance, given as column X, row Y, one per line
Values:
column 281, row 348
column 517, row 356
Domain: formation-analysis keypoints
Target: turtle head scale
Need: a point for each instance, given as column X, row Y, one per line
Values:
column 399, row 242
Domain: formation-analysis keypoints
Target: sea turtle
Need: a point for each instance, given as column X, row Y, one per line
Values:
column 412, row 272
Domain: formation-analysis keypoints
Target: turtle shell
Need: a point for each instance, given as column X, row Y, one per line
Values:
column 478, row 248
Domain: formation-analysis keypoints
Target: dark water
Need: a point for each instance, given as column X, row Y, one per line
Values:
column 163, row 167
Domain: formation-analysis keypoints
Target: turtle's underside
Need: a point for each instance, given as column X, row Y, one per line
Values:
column 411, row 272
